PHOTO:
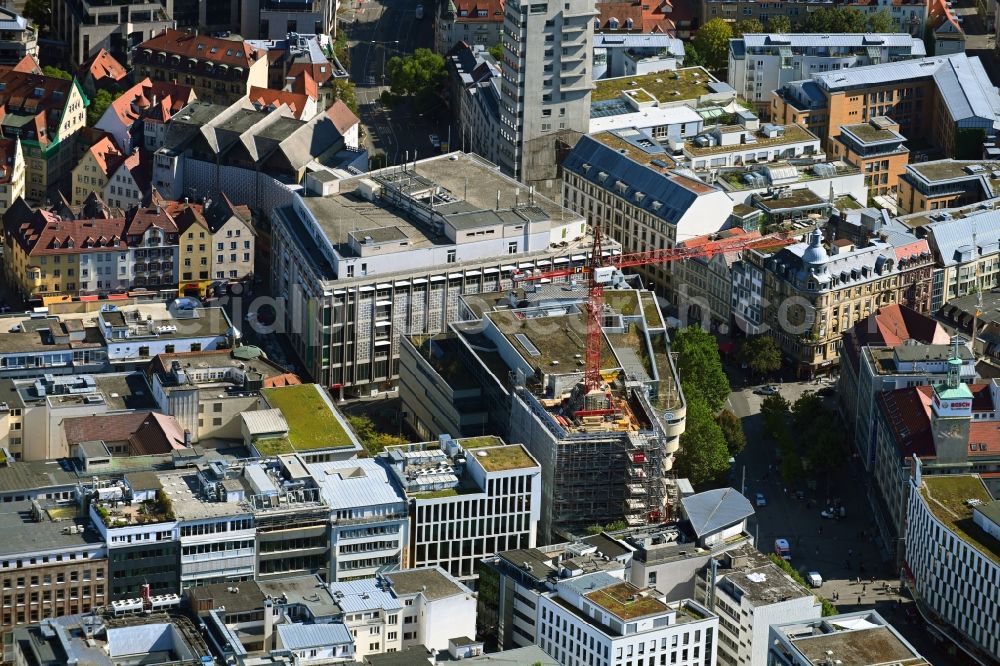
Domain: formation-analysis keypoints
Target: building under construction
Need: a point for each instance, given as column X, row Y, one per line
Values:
column 606, row 453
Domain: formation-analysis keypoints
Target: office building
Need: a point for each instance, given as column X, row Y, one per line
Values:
column 207, row 391
column 391, row 252
column 220, row 71
column 468, row 498
column 864, row 638
column 273, row 19
column 594, row 469
column 933, row 98
column 842, row 285
column 878, row 150
column 962, row 269
column 368, row 515
column 437, row 607
column 750, row 593
column 748, row 142
column 705, row 284
column 19, row 38
column 623, row 182
column 597, row 618
column 617, row 55
column 87, row 28
column 760, row 63
column 952, row 527
column 930, row 186
column 546, row 84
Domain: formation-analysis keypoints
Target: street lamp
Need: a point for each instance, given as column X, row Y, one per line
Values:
column 383, row 45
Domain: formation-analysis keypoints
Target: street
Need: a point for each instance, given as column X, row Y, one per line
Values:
column 835, row 548
column 377, row 30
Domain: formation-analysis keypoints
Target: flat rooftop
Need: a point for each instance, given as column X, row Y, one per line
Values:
column 801, row 198
column 33, row 476
column 954, row 169
column 654, row 159
column 556, row 344
column 308, row 591
column 948, row 497
column 433, row 582
column 22, row 334
column 792, row 134
column 503, row 458
column 673, row 86
column 868, row 133
column 884, row 358
column 182, row 489
column 625, row 602
column 859, row 647
column 23, row 534
column 312, row 419
column 471, row 180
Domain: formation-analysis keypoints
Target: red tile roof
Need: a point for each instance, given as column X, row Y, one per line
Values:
column 46, row 233
column 287, row 379
column 151, row 99
column 467, row 11
column 103, row 67
column 343, row 118
column 889, row 326
column 107, row 156
column 265, row 98
column 43, row 97
column 26, row 65
column 305, row 84
column 109, row 427
column 157, row 434
column 144, row 217
column 203, row 47
column 913, row 249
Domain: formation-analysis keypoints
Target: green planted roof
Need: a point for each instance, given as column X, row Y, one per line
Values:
column 312, row 422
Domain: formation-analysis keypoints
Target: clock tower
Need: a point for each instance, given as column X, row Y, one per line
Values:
column 951, row 415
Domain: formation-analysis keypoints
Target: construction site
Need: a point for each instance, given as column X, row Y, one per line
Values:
column 606, row 450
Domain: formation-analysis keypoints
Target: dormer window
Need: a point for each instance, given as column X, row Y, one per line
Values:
column 628, row 24
column 613, row 23
column 39, row 92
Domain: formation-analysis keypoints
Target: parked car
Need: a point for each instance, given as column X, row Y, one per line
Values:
column 770, row 389
column 828, row 512
column 435, row 140
column 761, row 500
column 815, row 580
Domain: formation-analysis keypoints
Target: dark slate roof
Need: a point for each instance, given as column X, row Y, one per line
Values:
column 714, row 510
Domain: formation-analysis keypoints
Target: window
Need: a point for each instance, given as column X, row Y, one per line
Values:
column 451, row 256
column 512, row 247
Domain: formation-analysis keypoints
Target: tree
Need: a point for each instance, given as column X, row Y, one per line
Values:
column 806, row 410
column 699, row 366
column 780, row 24
column 39, row 12
column 712, row 43
column 418, row 74
column 882, row 21
column 99, row 104
column 341, row 49
column 56, row 73
column 703, row 455
column 344, row 91
column 761, row 354
column 691, row 56
column 497, row 51
column 774, row 412
column 830, row 21
column 748, row 26
column 732, row 430
column 374, row 441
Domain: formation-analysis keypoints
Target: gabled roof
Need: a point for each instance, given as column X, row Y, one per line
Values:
column 343, row 118
column 104, row 427
column 142, row 218
column 156, row 99
column 715, row 510
column 889, row 326
column 45, row 233
column 468, row 11
column 267, row 99
column 43, row 98
column 106, row 155
column 305, row 84
column 138, row 167
column 202, row 47
column 102, row 68
column 157, row 434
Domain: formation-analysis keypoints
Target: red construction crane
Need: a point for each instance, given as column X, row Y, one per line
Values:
column 601, row 269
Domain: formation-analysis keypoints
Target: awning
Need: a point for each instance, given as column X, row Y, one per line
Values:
column 117, row 297
column 471, row 273
column 508, row 268
column 383, row 343
column 526, row 264
column 561, row 260
column 454, row 276
column 89, row 297
column 578, row 257
column 491, row 270
column 403, row 283
column 437, row 278
column 383, row 285
column 419, row 280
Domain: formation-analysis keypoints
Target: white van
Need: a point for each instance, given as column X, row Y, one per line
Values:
column 815, row 580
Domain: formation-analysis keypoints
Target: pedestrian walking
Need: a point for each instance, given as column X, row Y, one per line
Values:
column 859, row 599
column 864, row 589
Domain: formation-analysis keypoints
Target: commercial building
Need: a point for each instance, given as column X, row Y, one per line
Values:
column 220, row 71
column 949, row 427
column 749, row 143
column 207, row 391
column 273, row 19
column 878, row 150
column 840, row 637
column 935, row 98
column 893, row 348
column 597, row 618
column 249, row 155
column 437, row 607
column 930, row 186
column 303, row 63
column 622, row 182
column 309, row 425
column 831, row 290
column 595, row 469
column 750, row 593
column 44, row 113
column 760, row 63
column 704, row 285
column 474, row 82
column 216, row 242
column 86, row 28
column 368, row 516
column 962, row 268
column 393, row 251
column 546, row 83
column 52, row 563
column 951, row 555
column 468, row 499
column 470, row 21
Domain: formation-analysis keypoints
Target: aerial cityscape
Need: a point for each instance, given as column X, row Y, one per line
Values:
column 541, row 333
